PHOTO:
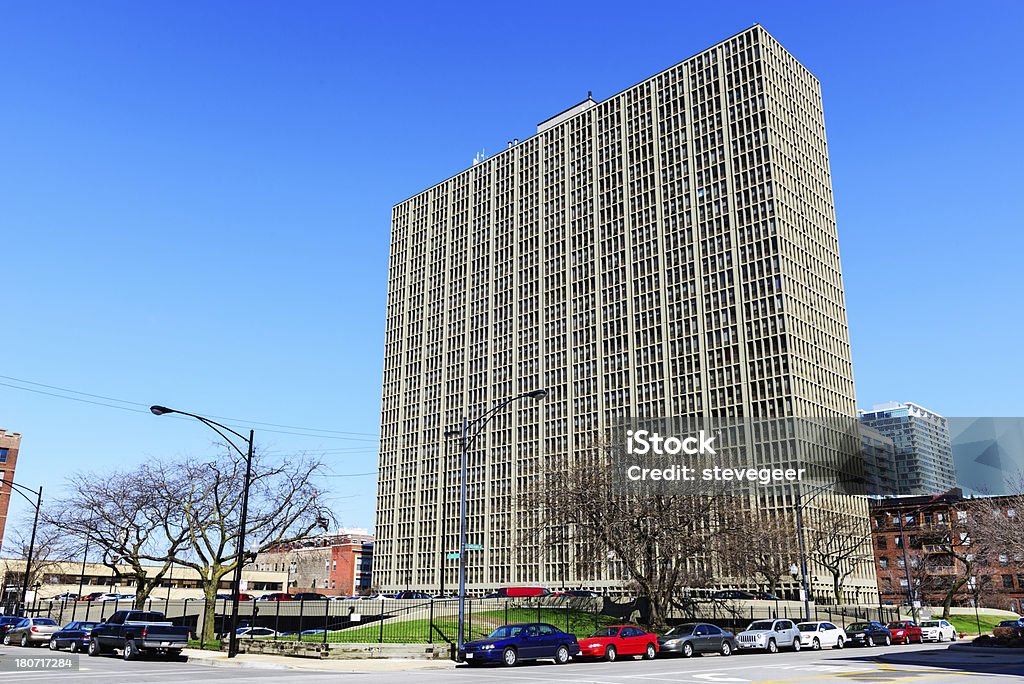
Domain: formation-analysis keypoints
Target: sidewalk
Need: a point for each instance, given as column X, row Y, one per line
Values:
column 274, row 662
column 957, row 654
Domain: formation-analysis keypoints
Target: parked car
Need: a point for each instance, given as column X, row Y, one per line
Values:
column 379, row 597
column 732, row 594
column 66, row 596
column 276, row 596
column 308, row 596
column 696, row 638
column 8, row 621
column 136, row 633
column 1009, row 628
column 819, row 635
column 510, row 644
column 412, row 595
column 579, row 593
column 769, row 635
column 867, row 634
column 99, row 596
column 905, row 632
column 74, row 635
column 231, row 597
column 765, row 596
column 938, row 630
column 253, row 632
column 116, row 597
column 31, row 631
column 626, row 640
column 519, row 592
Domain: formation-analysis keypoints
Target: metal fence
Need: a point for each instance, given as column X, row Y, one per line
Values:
column 434, row 621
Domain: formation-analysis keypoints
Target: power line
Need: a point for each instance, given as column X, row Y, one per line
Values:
column 144, row 408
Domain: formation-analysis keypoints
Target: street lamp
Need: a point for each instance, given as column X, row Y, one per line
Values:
column 240, row 558
column 477, row 426
column 800, row 505
column 21, row 489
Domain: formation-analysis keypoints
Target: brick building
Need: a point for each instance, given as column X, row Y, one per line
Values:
column 10, row 443
column 928, row 554
column 337, row 564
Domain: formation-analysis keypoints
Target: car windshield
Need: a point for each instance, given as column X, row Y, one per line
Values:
column 763, row 625
column 857, row 625
column 896, row 625
column 681, row 630
column 930, row 623
column 43, row 621
column 507, row 632
column 606, row 632
column 808, row 626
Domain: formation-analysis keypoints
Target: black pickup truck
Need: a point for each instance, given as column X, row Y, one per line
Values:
column 136, row 633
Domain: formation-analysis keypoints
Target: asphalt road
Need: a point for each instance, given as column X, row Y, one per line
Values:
column 833, row 667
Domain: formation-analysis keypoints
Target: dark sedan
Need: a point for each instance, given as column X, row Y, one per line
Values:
column 526, row 641
column 695, row 638
column 74, row 635
column 868, row 634
column 6, row 622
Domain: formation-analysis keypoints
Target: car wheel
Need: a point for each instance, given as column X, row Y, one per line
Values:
column 941, row 638
column 870, row 641
column 772, row 646
column 53, row 645
column 888, row 640
column 650, row 652
column 609, row 654
column 75, row 648
column 562, row 655
column 952, row 637
column 687, row 650
column 726, row 649
column 840, row 642
column 131, row 652
column 24, row 640
column 94, row 648
column 7, row 639
column 509, row 657
column 797, row 645
column 816, row 644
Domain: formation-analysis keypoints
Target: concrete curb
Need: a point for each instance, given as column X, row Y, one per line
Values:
column 258, row 662
column 969, row 655
column 968, row 648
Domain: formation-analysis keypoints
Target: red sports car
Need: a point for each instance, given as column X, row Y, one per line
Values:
column 905, row 632
column 621, row 640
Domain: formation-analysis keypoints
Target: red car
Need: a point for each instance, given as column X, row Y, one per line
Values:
column 277, row 596
column 905, row 632
column 621, row 640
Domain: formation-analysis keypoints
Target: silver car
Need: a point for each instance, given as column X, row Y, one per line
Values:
column 769, row 635
column 31, row 631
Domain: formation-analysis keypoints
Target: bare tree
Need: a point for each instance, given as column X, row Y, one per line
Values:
column 839, row 544
column 766, row 559
column 664, row 543
column 122, row 514
column 284, row 505
column 52, row 549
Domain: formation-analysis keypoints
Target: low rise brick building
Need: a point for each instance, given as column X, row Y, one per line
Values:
column 333, row 564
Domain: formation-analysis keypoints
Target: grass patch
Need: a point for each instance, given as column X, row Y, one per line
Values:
column 969, row 625
column 206, row 645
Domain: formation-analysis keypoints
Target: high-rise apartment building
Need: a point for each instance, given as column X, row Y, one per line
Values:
column 923, row 450
column 668, row 251
column 10, row 444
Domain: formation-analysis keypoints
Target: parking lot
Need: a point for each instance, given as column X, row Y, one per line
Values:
column 849, row 665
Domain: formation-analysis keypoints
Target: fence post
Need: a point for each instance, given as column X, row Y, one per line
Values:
column 302, row 605
column 277, row 618
column 380, row 613
column 469, row 631
column 327, row 617
column 566, row 617
column 430, row 626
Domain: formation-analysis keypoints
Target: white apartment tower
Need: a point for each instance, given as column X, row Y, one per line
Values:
column 668, row 251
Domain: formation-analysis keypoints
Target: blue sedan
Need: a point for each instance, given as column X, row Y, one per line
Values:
column 74, row 634
column 525, row 641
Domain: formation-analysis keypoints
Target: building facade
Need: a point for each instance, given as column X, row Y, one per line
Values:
column 668, row 251
column 336, row 565
column 879, row 462
column 917, row 541
column 10, row 444
column 923, row 450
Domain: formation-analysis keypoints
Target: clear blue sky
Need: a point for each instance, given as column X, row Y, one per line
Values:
column 195, row 197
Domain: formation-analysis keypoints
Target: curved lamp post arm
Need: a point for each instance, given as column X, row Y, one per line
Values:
column 212, row 424
column 478, row 425
column 21, row 489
